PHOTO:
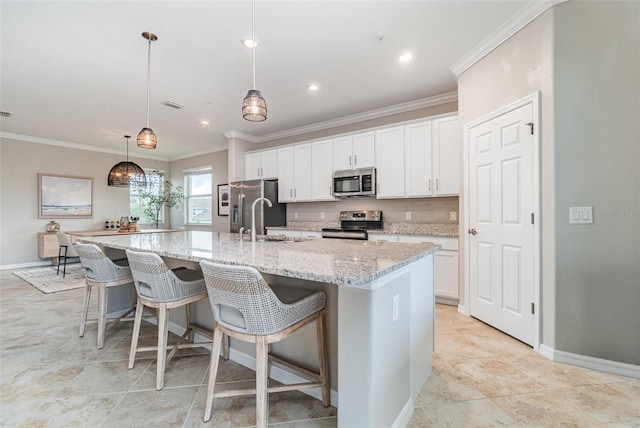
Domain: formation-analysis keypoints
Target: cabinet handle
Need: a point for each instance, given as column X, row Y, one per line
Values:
column 295, row 193
column 429, row 184
column 437, row 184
column 350, row 159
column 355, row 159
column 291, row 193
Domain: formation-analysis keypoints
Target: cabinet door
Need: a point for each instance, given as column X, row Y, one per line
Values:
column 252, row 165
column 364, row 150
column 390, row 166
column 269, row 164
column 343, row 153
column 285, row 174
column 419, row 180
column 302, row 172
column 322, row 170
column 446, row 156
column 446, row 274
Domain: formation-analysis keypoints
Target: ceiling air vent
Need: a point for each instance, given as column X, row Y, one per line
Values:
column 173, row 104
column 5, row 114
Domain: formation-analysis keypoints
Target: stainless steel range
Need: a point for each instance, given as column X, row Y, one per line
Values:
column 355, row 224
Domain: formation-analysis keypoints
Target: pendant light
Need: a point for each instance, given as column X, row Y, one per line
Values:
column 146, row 138
column 254, row 107
column 124, row 174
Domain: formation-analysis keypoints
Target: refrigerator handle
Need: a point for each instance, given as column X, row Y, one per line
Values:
column 241, row 210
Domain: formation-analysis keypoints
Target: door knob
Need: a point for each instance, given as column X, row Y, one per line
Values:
column 473, row 232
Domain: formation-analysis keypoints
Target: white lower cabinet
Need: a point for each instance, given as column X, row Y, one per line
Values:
column 446, row 260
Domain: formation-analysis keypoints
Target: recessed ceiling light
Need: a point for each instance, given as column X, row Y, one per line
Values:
column 250, row 43
column 405, row 57
column 204, row 122
column 313, row 86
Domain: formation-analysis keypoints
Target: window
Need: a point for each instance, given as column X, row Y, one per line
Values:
column 155, row 179
column 197, row 190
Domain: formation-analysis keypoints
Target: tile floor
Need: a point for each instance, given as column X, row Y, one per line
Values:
column 481, row 377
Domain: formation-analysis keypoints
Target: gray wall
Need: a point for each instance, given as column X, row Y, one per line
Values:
column 219, row 163
column 20, row 163
column 597, row 153
column 584, row 57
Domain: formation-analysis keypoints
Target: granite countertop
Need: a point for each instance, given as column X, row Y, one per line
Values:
column 423, row 229
column 335, row 261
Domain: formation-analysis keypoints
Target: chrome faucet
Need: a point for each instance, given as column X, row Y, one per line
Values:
column 241, row 232
column 253, row 216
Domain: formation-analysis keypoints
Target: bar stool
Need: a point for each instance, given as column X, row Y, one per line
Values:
column 163, row 289
column 245, row 307
column 101, row 272
column 65, row 250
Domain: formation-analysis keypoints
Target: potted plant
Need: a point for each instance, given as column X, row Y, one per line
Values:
column 154, row 199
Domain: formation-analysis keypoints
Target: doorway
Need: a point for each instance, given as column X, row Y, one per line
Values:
column 502, row 219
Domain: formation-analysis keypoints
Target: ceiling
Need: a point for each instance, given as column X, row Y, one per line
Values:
column 76, row 71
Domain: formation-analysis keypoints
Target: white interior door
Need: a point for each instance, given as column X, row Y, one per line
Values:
column 501, row 205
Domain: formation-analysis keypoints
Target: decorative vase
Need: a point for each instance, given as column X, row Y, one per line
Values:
column 52, row 226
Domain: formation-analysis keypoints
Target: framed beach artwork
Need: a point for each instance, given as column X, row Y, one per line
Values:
column 61, row 196
column 223, row 199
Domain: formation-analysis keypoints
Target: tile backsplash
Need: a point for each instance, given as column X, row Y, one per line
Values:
column 423, row 210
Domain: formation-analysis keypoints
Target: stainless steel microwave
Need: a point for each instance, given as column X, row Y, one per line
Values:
column 354, row 182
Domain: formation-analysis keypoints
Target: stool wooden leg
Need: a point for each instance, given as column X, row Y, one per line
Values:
column 225, row 347
column 163, row 332
column 322, row 358
column 85, row 309
column 102, row 314
column 136, row 332
column 187, row 309
column 262, row 396
column 213, row 372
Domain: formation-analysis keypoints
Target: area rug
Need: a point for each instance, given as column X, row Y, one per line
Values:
column 46, row 280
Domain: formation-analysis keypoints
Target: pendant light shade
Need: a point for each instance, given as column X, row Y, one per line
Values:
column 147, row 138
column 124, row 174
column 254, row 106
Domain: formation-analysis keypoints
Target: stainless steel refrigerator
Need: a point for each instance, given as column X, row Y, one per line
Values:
column 243, row 195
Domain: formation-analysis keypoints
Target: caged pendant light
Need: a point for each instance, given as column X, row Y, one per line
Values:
column 254, row 107
column 147, row 138
column 124, row 174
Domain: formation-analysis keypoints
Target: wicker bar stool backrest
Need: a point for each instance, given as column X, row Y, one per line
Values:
column 98, row 267
column 243, row 289
column 153, row 278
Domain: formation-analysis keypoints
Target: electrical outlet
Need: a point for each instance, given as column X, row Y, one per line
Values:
column 295, row 214
column 453, row 215
column 396, row 308
column 321, row 215
column 407, row 215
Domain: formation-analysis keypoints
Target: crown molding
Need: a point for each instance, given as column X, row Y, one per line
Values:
column 527, row 14
column 348, row 120
column 200, row 153
column 241, row 136
column 58, row 143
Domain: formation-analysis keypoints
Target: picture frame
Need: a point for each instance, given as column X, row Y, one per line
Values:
column 64, row 196
column 223, row 200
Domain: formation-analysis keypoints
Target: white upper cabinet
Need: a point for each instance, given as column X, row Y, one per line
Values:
column 390, row 146
column 322, row 170
column 261, row 165
column 294, row 173
column 418, row 169
column 354, row 151
column 446, row 156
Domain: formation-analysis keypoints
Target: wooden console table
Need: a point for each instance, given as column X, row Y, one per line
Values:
column 48, row 245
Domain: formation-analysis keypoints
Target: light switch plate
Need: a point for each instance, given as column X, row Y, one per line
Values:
column 453, row 215
column 581, row 215
column 407, row 215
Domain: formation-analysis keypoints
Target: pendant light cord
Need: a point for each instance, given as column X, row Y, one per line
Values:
column 148, row 80
column 253, row 39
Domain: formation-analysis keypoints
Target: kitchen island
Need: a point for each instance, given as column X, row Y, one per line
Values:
column 380, row 309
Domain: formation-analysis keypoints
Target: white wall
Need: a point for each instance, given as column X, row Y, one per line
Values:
column 20, row 163
column 519, row 67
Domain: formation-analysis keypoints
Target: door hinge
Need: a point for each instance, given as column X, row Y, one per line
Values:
column 533, row 307
column 530, row 125
column 532, row 221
